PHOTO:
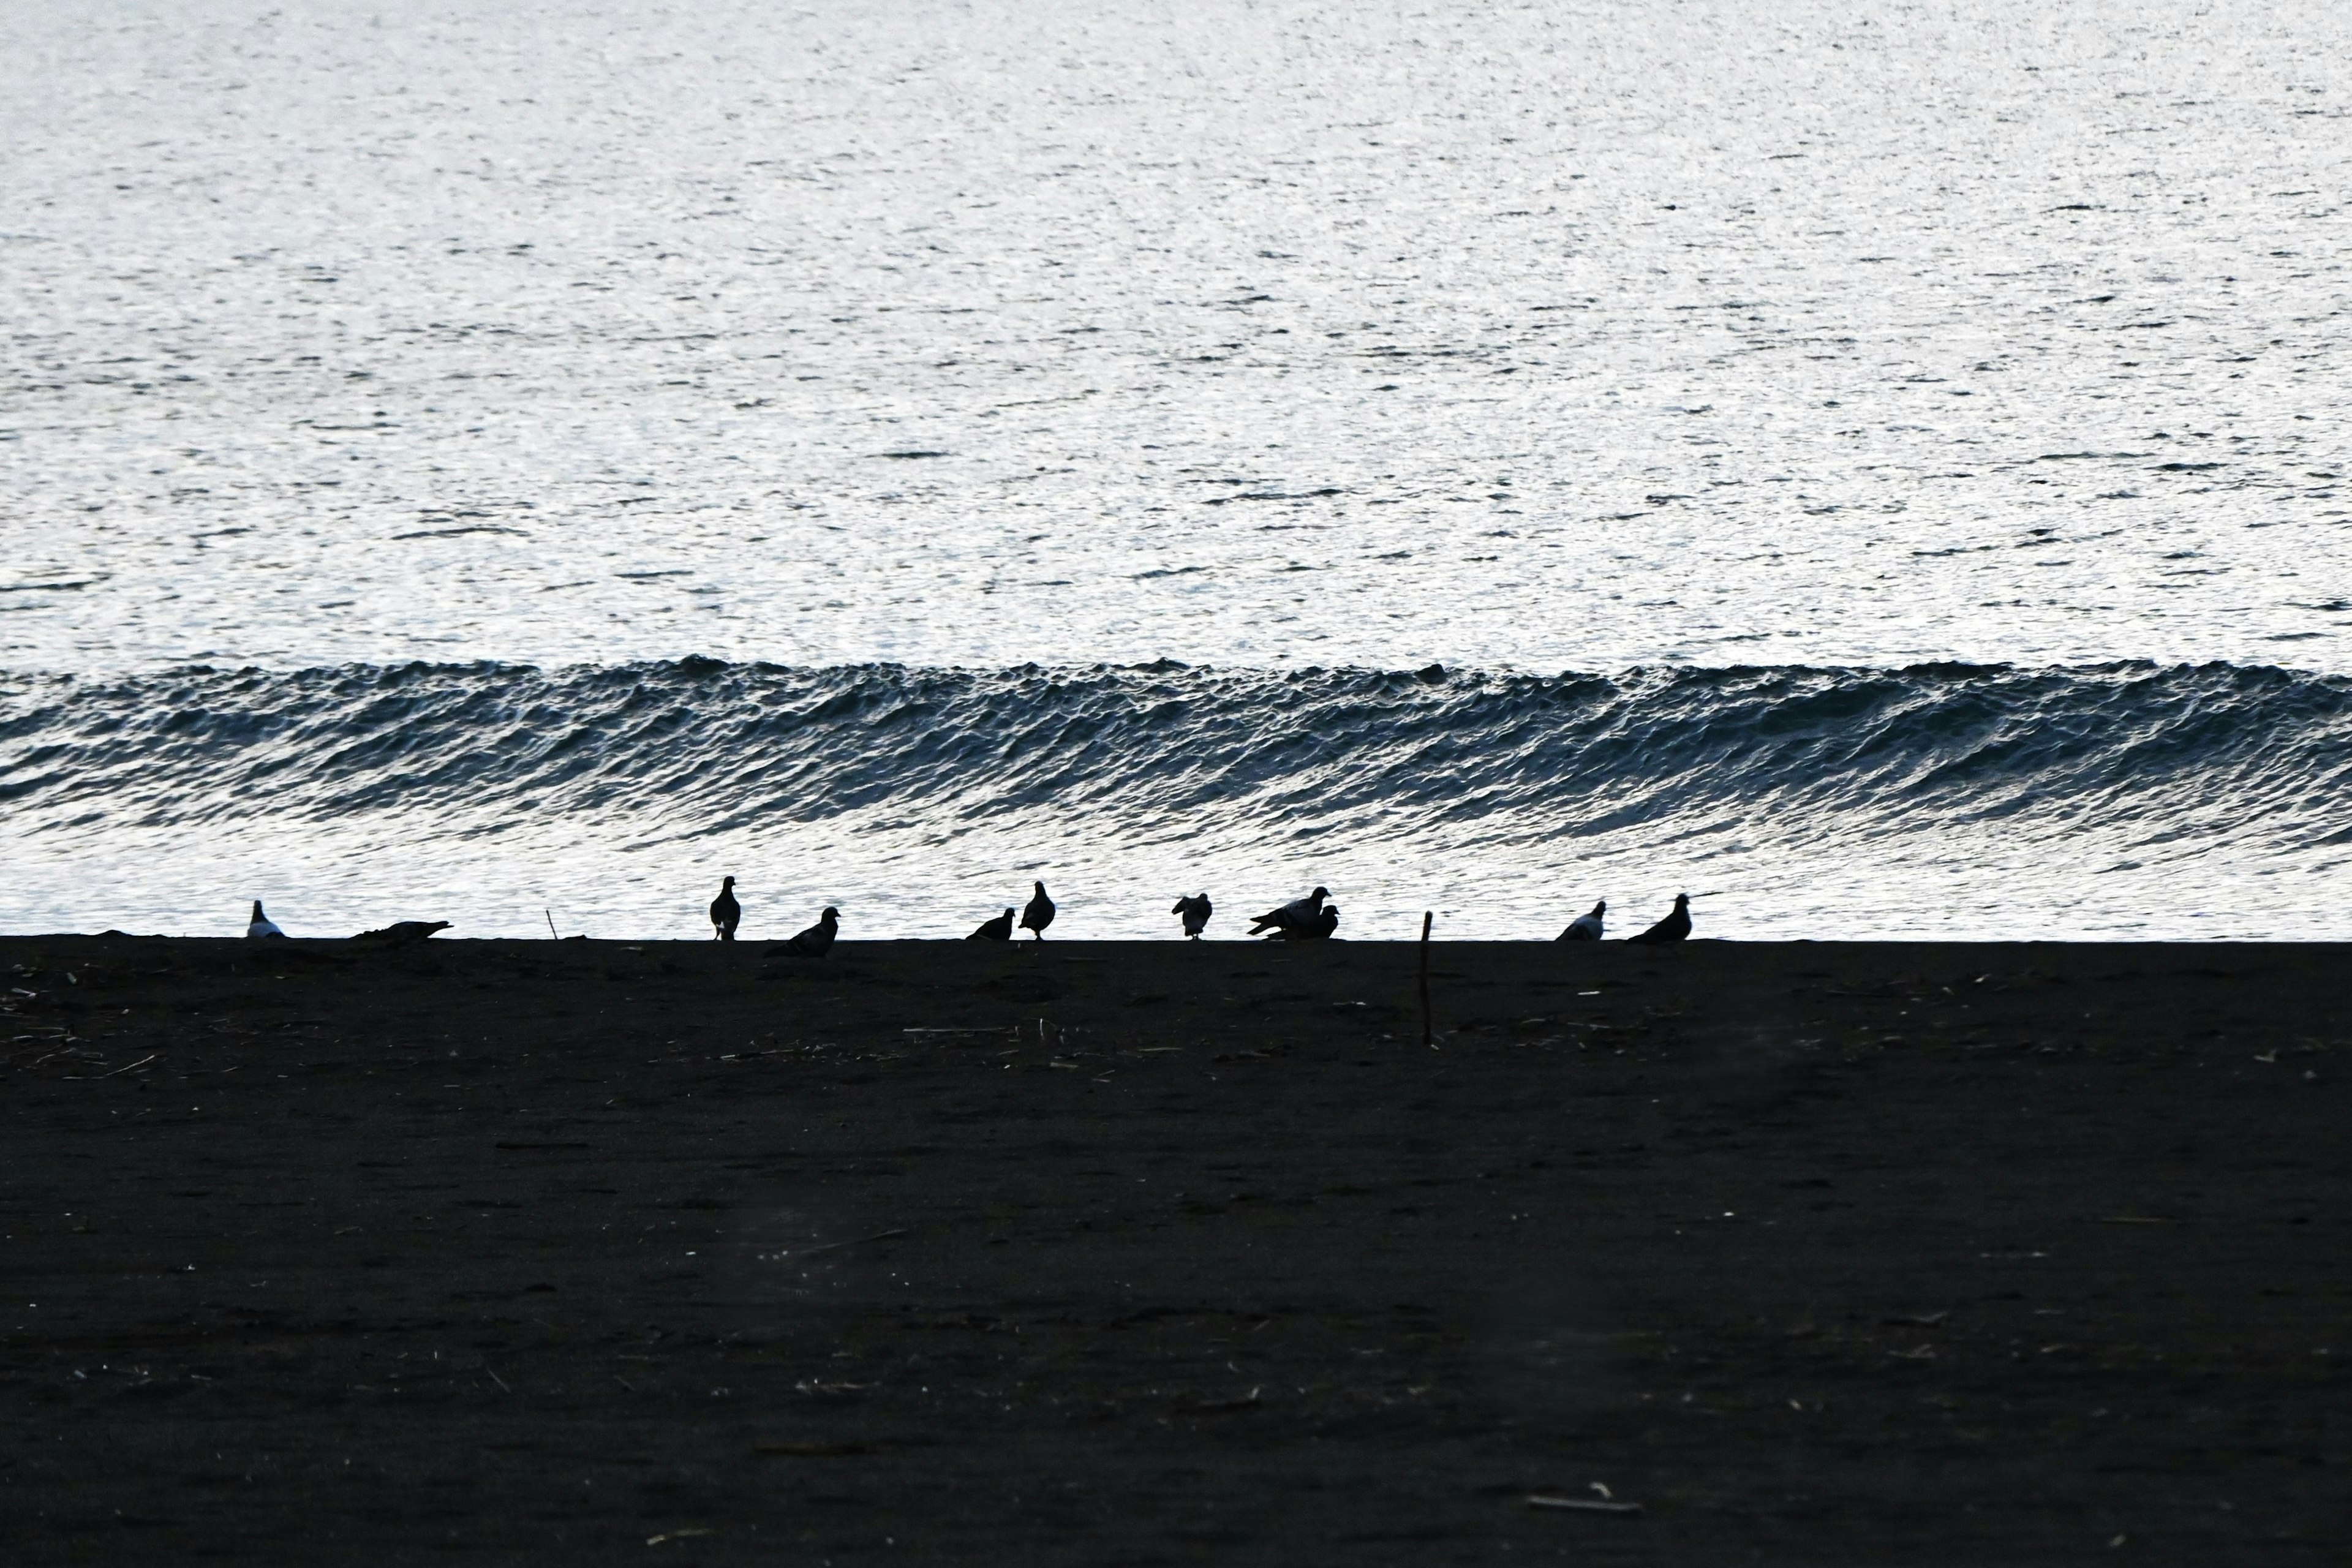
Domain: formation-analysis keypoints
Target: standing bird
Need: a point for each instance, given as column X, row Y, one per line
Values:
column 1308, row 910
column 817, row 941
column 726, row 914
column 1196, row 911
column 998, row 929
column 1585, row 927
column 261, row 925
column 1675, row 927
column 1315, row 930
column 1039, row 914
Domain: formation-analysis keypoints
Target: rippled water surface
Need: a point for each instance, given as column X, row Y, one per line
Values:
column 1617, row 336
column 1547, row 336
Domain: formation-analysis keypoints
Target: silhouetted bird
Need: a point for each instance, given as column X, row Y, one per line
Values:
column 261, row 925
column 400, row 932
column 1297, row 912
column 726, row 914
column 1673, row 928
column 998, row 929
column 1315, row 930
column 1196, row 911
column 817, row 941
column 1039, row 914
column 1585, row 927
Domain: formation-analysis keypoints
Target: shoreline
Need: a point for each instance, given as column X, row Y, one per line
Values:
column 1158, row 1251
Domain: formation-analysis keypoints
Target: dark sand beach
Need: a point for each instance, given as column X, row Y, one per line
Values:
column 667, row 1252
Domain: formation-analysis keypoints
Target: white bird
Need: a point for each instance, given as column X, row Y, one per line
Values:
column 1586, row 927
column 1297, row 914
column 261, row 925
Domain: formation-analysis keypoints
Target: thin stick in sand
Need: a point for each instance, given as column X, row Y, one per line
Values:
column 1427, row 918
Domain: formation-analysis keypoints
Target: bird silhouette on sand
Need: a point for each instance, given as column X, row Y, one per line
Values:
column 1304, row 911
column 726, row 914
column 400, row 933
column 1039, row 914
column 1675, row 927
column 1585, row 927
column 817, row 941
column 1326, row 922
column 1196, row 911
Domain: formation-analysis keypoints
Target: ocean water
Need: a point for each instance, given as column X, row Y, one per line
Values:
column 1883, row 468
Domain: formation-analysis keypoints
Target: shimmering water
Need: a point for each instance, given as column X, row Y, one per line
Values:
column 1585, row 337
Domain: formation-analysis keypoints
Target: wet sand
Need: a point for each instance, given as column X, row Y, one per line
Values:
column 1819, row 1254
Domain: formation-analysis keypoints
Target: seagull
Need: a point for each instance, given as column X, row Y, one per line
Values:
column 817, row 941
column 400, row 932
column 998, row 929
column 1675, row 927
column 1585, row 927
column 1297, row 912
column 1196, row 911
column 1315, row 930
column 261, row 925
column 726, row 914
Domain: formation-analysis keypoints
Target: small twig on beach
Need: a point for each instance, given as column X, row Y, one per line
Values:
column 551, row 922
column 500, row 1381
column 1427, row 919
column 855, row 1241
column 93, row 1077
column 1583, row 1505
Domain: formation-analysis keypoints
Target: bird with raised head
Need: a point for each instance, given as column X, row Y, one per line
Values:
column 998, row 929
column 1585, row 927
column 1305, row 911
column 726, row 914
column 817, row 941
column 1675, row 927
column 261, row 925
column 1196, row 911
column 1039, row 914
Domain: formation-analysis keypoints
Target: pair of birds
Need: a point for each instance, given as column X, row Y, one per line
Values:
column 1675, row 927
column 1301, row 919
column 262, row 928
column 1035, row 917
column 727, row 915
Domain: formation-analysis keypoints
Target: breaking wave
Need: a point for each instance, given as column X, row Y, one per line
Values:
column 2128, row 762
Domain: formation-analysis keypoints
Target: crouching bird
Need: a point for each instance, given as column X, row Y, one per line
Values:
column 1675, row 927
column 1315, row 930
column 400, row 933
column 1585, row 927
column 998, row 929
column 817, row 941
column 261, row 925
column 1196, row 911
column 1305, row 911
column 726, row 914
